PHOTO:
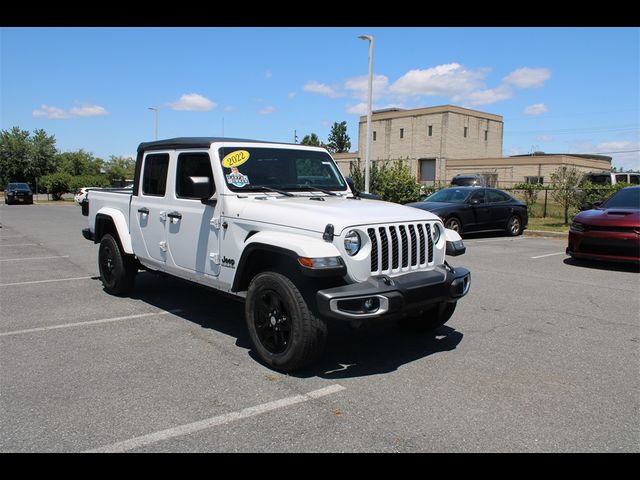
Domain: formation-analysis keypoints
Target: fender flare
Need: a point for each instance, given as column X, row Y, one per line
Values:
column 290, row 245
column 120, row 224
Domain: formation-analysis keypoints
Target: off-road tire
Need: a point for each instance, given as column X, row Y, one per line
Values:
column 117, row 270
column 285, row 333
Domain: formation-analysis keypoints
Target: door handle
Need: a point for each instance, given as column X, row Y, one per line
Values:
column 143, row 210
column 176, row 215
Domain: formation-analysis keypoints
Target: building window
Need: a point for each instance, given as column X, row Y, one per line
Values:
column 486, row 135
column 539, row 180
column 431, row 130
column 466, row 129
column 374, row 135
column 402, row 133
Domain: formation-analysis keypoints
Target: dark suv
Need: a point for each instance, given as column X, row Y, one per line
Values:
column 18, row 193
column 468, row 181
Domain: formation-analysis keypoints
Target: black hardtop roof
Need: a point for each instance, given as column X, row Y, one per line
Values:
column 194, row 142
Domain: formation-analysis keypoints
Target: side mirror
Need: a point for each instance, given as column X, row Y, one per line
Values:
column 201, row 188
column 352, row 186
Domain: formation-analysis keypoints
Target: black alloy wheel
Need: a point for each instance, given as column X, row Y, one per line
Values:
column 272, row 322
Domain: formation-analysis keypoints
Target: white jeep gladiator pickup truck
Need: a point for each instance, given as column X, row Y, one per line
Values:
column 277, row 226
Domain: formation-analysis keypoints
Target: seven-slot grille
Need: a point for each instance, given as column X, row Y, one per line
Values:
column 406, row 246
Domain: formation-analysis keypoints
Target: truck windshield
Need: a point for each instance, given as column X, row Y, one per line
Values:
column 249, row 168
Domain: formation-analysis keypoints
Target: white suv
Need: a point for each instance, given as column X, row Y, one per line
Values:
column 81, row 195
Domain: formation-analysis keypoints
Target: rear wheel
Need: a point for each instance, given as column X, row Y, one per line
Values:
column 430, row 319
column 453, row 223
column 285, row 333
column 514, row 226
column 117, row 271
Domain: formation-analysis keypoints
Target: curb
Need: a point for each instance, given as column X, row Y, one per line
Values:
column 545, row 233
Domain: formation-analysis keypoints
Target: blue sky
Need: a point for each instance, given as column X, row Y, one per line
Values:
column 559, row 89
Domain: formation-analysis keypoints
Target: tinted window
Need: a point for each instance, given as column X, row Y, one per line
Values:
column 196, row 164
column 625, row 198
column 154, row 178
column 479, row 195
column 495, row 196
column 19, row 185
column 600, row 179
column 465, row 181
column 634, row 179
column 621, row 178
column 449, row 195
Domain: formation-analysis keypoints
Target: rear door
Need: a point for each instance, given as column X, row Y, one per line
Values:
column 148, row 214
column 500, row 208
column 193, row 227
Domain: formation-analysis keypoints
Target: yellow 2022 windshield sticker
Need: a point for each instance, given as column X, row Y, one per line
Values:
column 235, row 158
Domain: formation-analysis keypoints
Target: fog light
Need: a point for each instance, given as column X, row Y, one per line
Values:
column 371, row 304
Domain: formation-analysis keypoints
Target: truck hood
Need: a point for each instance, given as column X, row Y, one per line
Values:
column 305, row 213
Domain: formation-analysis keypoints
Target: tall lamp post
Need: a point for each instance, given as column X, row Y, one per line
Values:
column 368, row 142
column 155, row 110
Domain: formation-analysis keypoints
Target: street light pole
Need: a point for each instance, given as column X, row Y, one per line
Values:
column 368, row 132
column 155, row 110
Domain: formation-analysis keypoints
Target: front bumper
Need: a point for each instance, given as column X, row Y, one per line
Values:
column 604, row 246
column 383, row 297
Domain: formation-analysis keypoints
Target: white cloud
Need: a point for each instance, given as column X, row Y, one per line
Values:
column 451, row 79
column 291, row 94
column 55, row 113
column 321, row 89
column 536, row 109
column 528, row 77
column 267, row 110
column 230, row 108
column 268, row 74
column 545, row 138
column 616, row 145
column 88, row 111
column 485, row 97
column 359, row 109
column 359, row 86
column 193, row 102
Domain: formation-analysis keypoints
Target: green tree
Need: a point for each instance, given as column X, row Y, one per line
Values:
column 564, row 182
column 56, row 184
column 339, row 141
column 392, row 179
column 311, row 140
column 15, row 154
column 120, row 168
column 43, row 154
column 79, row 163
column 531, row 191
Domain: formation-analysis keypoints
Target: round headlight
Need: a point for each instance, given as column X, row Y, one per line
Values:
column 436, row 232
column 352, row 242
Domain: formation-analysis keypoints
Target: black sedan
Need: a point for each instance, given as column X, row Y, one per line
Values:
column 477, row 209
column 18, row 193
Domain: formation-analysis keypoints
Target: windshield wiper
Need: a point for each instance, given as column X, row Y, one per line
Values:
column 317, row 189
column 270, row 189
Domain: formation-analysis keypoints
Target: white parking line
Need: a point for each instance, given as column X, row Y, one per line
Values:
column 550, row 255
column 33, row 258
column 472, row 241
column 90, row 322
column 215, row 421
column 44, row 281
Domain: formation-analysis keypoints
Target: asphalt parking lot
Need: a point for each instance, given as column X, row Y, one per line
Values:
column 543, row 355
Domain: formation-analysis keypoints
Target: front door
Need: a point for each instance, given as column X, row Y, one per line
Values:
column 192, row 227
column 148, row 213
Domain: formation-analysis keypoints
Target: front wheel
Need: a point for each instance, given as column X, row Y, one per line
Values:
column 117, row 271
column 285, row 333
column 430, row 319
column 514, row 226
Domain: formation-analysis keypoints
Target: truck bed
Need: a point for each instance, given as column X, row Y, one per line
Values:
column 108, row 198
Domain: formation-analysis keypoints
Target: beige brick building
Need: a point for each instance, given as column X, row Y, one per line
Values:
column 441, row 142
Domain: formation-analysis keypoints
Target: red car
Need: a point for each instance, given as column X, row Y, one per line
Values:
column 611, row 231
